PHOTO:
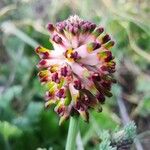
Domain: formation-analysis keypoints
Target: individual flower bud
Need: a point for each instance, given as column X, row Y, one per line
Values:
column 43, row 52
column 57, row 39
column 109, row 44
column 105, row 39
column 98, row 31
column 50, row 27
column 93, row 46
column 77, row 84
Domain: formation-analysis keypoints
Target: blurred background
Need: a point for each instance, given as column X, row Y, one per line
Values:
column 24, row 123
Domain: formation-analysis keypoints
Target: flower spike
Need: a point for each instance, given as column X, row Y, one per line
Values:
column 78, row 72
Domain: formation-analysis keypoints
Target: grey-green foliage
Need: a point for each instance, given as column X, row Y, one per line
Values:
column 124, row 136
column 106, row 141
column 130, row 131
column 9, row 94
column 105, row 145
column 127, row 133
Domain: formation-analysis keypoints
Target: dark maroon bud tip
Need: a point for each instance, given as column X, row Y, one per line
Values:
column 77, row 106
column 96, row 77
column 109, row 56
column 88, row 26
column 100, row 98
column 106, row 85
column 46, row 55
column 106, row 38
column 64, row 71
column 112, row 43
column 82, row 108
column 84, row 28
column 57, row 39
column 76, row 25
column 81, row 23
column 44, row 79
column 50, row 27
column 37, row 49
column 77, row 84
column 48, row 95
column 97, row 45
column 43, row 62
column 75, row 30
column 75, row 55
column 92, row 27
column 55, row 77
column 100, row 30
column 112, row 70
column 61, row 93
column 60, row 29
column 70, row 28
column 104, row 68
column 113, row 63
column 60, row 111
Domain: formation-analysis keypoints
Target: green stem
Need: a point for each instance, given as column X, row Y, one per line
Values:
column 72, row 133
column 7, row 146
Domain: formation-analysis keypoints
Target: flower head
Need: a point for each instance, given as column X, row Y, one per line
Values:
column 78, row 72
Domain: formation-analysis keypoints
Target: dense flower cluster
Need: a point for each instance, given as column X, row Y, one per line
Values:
column 78, row 72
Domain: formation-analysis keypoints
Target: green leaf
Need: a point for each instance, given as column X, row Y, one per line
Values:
column 106, row 119
column 9, row 94
column 33, row 111
column 144, row 109
column 8, row 130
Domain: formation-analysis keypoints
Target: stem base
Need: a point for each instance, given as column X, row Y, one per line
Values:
column 72, row 133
